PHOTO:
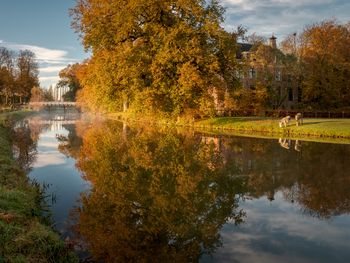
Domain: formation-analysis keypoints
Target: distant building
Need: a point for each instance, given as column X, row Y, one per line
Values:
column 58, row 92
column 275, row 75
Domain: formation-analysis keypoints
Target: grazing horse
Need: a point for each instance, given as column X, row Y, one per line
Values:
column 298, row 119
column 284, row 122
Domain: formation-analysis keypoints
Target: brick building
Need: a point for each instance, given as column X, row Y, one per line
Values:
column 267, row 65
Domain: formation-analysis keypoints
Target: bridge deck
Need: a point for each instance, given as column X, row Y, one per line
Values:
column 53, row 103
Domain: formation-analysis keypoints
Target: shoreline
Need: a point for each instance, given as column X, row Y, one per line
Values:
column 28, row 236
column 318, row 130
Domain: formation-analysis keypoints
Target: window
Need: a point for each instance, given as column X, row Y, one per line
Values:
column 252, row 73
column 290, row 94
column 299, row 94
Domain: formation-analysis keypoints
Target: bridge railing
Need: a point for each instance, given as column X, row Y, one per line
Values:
column 52, row 103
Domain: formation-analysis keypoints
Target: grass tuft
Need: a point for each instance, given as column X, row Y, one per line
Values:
column 24, row 233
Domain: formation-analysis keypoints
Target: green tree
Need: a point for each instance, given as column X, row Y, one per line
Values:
column 156, row 56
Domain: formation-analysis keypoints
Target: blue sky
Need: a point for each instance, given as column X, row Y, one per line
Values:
column 43, row 26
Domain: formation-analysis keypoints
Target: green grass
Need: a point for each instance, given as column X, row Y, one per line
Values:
column 24, row 233
column 321, row 128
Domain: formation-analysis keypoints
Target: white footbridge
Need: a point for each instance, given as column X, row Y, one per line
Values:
column 53, row 104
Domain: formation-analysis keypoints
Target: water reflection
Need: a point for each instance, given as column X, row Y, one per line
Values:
column 287, row 144
column 172, row 195
column 166, row 195
column 50, row 167
column 24, row 145
column 156, row 197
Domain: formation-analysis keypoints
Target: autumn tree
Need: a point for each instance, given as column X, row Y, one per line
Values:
column 154, row 56
column 255, row 39
column 6, row 74
column 69, row 78
column 27, row 74
column 324, row 57
column 40, row 94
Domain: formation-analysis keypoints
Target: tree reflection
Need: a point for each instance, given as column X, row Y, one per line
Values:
column 71, row 143
column 165, row 195
column 315, row 175
column 323, row 187
column 24, row 144
column 156, row 196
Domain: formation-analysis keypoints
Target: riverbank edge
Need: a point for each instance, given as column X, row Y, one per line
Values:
column 26, row 234
column 259, row 127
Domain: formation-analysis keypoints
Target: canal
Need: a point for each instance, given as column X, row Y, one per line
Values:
column 122, row 192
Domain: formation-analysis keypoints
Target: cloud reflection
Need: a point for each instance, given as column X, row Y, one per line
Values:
column 276, row 232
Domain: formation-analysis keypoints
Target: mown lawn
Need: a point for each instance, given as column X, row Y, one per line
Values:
column 25, row 235
column 332, row 128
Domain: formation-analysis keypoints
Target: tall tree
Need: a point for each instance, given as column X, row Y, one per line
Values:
column 40, row 94
column 324, row 54
column 6, row 73
column 68, row 78
column 27, row 75
column 158, row 56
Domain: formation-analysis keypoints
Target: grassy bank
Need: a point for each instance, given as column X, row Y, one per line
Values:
column 24, row 234
column 322, row 128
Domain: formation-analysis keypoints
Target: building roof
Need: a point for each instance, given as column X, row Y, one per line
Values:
column 243, row 47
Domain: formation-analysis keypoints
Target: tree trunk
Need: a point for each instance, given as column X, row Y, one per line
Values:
column 125, row 105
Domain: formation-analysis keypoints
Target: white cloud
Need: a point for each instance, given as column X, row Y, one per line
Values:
column 47, row 159
column 277, row 232
column 42, row 54
column 255, row 4
column 51, row 61
column 282, row 17
column 51, row 69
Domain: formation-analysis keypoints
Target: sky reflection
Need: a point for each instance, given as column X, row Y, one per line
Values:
column 278, row 231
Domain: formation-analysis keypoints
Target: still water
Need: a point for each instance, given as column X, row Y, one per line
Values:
column 131, row 193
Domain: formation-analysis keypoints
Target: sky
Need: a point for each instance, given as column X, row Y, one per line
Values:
column 43, row 26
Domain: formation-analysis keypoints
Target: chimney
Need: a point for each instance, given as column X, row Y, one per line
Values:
column 273, row 42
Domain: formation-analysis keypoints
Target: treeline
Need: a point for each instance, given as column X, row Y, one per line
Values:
column 173, row 58
column 309, row 71
column 322, row 63
column 18, row 76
